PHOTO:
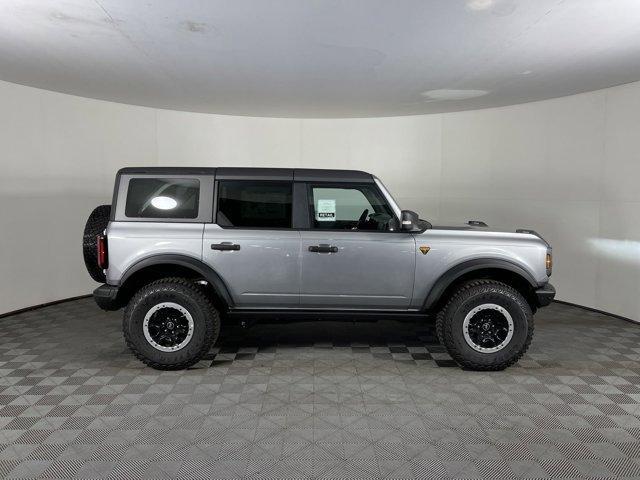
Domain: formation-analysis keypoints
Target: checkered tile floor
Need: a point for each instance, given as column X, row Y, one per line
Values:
column 317, row 400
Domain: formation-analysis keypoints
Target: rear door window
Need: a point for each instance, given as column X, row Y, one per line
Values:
column 163, row 198
column 254, row 204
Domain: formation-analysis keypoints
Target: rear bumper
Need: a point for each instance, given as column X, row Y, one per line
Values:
column 545, row 295
column 106, row 296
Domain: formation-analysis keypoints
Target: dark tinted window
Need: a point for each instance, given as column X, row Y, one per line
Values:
column 254, row 204
column 162, row 198
column 349, row 207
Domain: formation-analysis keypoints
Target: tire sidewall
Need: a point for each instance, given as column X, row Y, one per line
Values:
column 519, row 315
column 134, row 319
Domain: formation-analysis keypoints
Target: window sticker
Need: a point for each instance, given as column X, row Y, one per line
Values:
column 326, row 210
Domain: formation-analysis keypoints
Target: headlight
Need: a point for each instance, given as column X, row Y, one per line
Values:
column 549, row 263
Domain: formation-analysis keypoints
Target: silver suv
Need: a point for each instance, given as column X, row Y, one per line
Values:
column 183, row 248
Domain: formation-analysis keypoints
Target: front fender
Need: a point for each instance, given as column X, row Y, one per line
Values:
column 457, row 271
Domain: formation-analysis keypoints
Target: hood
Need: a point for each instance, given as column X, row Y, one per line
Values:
column 470, row 225
column 477, row 225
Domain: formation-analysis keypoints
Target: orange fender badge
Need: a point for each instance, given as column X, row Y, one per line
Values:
column 424, row 249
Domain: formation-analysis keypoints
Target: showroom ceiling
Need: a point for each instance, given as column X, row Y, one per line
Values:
column 320, row 58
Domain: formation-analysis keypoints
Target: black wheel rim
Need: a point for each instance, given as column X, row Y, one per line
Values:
column 168, row 327
column 488, row 328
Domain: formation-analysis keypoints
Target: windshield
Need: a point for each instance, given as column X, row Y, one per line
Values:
column 388, row 196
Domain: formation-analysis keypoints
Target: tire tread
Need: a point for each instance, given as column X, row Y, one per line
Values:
column 95, row 225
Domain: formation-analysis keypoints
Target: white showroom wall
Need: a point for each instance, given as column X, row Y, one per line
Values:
column 566, row 167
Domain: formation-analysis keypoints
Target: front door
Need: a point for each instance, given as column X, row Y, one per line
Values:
column 352, row 257
column 252, row 245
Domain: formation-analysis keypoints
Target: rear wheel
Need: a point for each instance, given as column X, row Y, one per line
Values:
column 485, row 325
column 170, row 324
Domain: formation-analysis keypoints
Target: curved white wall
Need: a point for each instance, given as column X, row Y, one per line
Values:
column 568, row 168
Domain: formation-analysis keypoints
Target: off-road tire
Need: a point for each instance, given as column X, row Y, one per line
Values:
column 96, row 223
column 450, row 319
column 189, row 296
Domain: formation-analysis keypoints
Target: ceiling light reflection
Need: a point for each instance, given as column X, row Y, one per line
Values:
column 479, row 4
column 164, row 203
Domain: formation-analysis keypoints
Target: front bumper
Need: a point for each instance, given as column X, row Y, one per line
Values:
column 545, row 295
column 106, row 296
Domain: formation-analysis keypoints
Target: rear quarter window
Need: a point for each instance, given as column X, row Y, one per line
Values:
column 163, row 198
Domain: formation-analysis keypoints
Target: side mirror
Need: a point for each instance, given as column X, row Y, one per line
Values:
column 409, row 221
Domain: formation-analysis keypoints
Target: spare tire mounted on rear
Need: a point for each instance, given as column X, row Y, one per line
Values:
column 96, row 224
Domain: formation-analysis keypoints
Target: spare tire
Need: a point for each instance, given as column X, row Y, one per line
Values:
column 96, row 223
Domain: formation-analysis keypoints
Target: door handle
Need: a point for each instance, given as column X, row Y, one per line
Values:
column 225, row 246
column 323, row 248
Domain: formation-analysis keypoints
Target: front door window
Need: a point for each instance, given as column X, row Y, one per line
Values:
column 349, row 207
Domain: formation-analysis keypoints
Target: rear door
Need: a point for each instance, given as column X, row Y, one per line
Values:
column 353, row 256
column 252, row 244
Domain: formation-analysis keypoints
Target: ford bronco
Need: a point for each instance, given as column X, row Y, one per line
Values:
column 182, row 248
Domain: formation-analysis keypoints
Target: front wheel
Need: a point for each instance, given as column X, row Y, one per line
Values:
column 485, row 325
column 170, row 324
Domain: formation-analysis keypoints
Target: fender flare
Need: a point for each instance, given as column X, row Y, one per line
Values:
column 184, row 261
column 455, row 272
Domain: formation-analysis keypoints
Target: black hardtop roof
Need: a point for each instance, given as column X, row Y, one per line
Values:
column 252, row 173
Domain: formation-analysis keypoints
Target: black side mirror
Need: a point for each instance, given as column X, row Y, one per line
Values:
column 409, row 221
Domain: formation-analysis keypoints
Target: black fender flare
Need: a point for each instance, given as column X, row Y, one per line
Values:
column 192, row 263
column 455, row 272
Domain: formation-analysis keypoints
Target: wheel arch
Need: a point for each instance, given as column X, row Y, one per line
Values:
column 173, row 265
column 494, row 269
